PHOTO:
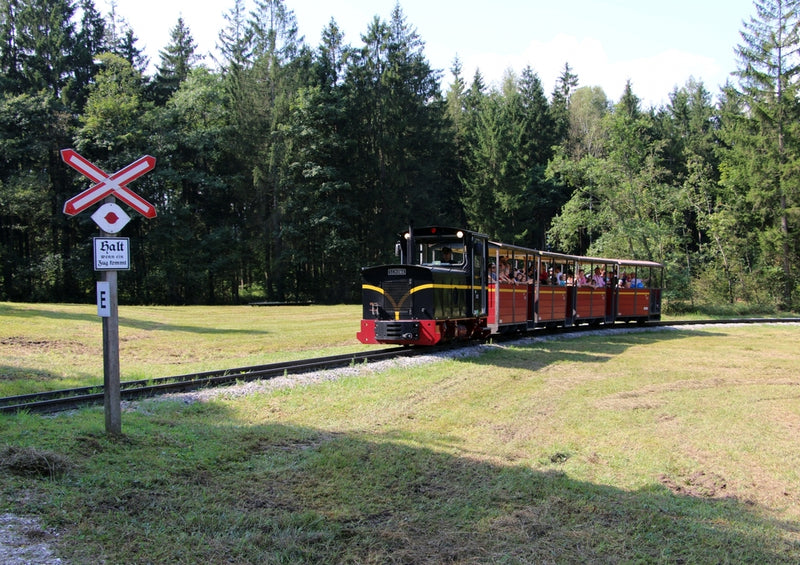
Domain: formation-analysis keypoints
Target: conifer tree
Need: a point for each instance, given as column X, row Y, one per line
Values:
column 10, row 64
column 89, row 42
column 559, row 106
column 45, row 38
column 177, row 59
column 764, row 141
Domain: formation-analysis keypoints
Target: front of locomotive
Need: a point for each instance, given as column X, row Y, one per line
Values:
column 437, row 293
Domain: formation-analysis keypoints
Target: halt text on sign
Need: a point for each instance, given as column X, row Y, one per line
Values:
column 112, row 254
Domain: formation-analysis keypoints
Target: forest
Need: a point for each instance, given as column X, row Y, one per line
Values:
column 283, row 168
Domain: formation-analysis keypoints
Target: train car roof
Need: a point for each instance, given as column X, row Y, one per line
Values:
column 447, row 231
column 612, row 261
column 638, row 263
column 530, row 251
column 577, row 258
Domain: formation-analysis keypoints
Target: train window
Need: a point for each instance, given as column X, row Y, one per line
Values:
column 440, row 253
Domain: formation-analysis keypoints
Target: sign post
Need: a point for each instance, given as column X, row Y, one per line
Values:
column 112, row 398
column 110, row 255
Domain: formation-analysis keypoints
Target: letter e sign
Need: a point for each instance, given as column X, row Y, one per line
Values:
column 103, row 299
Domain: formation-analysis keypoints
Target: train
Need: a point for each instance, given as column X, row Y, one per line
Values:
column 452, row 284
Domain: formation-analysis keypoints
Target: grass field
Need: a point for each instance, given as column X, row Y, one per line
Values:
column 50, row 347
column 649, row 447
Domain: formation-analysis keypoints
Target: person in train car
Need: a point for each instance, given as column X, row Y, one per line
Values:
column 581, row 279
column 492, row 273
column 503, row 270
column 447, row 255
column 598, row 280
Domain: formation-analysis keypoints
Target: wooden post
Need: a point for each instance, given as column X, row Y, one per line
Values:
column 111, row 379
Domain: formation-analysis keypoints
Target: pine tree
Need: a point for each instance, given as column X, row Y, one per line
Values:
column 559, row 105
column 45, row 38
column 235, row 41
column 765, row 141
column 10, row 64
column 89, row 42
column 177, row 59
column 400, row 134
column 268, row 90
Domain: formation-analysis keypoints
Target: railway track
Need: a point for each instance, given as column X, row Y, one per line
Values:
column 69, row 399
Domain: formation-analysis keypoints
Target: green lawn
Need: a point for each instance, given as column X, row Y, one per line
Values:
column 55, row 346
column 659, row 446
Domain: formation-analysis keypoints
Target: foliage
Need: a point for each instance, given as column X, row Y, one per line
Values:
column 285, row 168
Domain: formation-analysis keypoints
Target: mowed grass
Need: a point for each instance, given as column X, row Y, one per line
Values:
column 55, row 346
column 647, row 447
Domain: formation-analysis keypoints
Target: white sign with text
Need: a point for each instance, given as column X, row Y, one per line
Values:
column 112, row 254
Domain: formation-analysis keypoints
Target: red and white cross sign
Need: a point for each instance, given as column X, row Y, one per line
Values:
column 108, row 184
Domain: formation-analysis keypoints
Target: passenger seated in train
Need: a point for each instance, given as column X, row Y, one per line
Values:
column 503, row 270
column 544, row 277
column 598, row 280
column 492, row 273
column 580, row 280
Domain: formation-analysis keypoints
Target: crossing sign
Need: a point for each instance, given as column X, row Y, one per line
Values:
column 106, row 185
column 110, row 217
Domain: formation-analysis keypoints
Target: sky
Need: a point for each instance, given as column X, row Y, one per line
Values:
column 656, row 45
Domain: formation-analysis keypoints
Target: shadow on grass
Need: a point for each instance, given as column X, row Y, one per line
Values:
column 173, row 490
column 600, row 346
column 124, row 321
column 16, row 380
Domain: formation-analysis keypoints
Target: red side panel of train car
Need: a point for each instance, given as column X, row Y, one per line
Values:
column 591, row 303
column 514, row 300
column 552, row 304
column 633, row 302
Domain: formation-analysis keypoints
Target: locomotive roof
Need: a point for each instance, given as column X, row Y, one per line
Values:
column 441, row 231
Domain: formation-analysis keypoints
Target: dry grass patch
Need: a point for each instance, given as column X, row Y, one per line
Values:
column 33, row 462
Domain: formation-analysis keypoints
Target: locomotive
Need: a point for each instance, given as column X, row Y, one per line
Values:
column 455, row 284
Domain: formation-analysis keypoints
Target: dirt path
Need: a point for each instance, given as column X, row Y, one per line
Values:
column 23, row 542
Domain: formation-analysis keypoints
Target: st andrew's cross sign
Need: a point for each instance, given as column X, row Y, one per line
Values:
column 106, row 185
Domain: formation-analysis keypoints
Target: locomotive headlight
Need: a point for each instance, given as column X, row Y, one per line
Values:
column 459, row 234
column 408, row 236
